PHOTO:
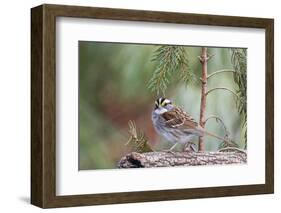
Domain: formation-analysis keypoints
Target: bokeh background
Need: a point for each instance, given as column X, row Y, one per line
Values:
column 113, row 89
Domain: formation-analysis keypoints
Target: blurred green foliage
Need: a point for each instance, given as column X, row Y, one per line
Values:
column 113, row 89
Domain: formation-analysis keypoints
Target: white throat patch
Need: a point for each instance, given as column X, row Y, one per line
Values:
column 160, row 110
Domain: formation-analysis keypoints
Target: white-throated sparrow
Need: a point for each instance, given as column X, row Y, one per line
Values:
column 175, row 124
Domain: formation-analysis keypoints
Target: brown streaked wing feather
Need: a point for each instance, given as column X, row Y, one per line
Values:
column 189, row 121
column 177, row 118
column 172, row 119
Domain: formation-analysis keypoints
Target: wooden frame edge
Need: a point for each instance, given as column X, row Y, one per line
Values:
column 36, row 106
column 269, row 105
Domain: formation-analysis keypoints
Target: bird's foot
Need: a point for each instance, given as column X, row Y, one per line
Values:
column 189, row 147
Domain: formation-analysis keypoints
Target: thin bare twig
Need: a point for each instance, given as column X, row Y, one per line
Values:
column 222, row 88
column 220, row 120
column 220, row 71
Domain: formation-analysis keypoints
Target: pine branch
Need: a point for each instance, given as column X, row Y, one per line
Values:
column 171, row 61
column 239, row 61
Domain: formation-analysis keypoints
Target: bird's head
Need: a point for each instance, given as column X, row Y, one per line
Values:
column 163, row 105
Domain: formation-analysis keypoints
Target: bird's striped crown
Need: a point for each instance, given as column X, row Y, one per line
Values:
column 162, row 102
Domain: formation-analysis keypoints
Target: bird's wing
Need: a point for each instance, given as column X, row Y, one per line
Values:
column 177, row 118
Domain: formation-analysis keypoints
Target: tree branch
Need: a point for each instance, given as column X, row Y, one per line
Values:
column 204, row 62
column 220, row 71
column 220, row 120
column 222, row 88
column 170, row 159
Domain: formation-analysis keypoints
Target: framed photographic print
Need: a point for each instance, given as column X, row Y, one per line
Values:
column 135, row 106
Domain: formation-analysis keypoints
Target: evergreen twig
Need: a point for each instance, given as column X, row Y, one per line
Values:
column 171, row 61
column 239, row 61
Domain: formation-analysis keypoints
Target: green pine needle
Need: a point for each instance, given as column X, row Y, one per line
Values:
column 171, row 61
column 239, row 61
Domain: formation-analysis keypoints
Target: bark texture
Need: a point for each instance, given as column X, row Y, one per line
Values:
column 168, row 159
